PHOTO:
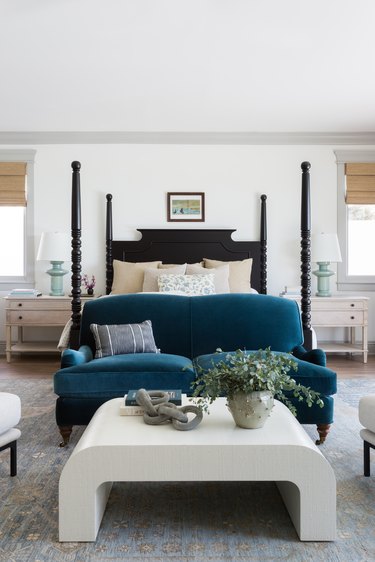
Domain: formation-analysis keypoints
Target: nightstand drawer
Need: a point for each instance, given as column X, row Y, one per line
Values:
column 24, row 317
column 39, row 304
column 336, row 304
column 337, row 318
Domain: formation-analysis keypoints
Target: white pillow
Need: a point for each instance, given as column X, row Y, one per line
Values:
column 128, row 276
column 239, row 273
column 150, row 282
column 168, row 265
column 189, row 285
column 221, row 279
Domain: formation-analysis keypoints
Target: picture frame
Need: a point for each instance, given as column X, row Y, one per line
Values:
column 185, row 206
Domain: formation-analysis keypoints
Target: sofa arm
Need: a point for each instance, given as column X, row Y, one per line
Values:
column 72, row 357
column 316, row 356
column 319, row 378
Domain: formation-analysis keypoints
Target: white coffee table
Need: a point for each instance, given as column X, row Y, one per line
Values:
column 117, row 448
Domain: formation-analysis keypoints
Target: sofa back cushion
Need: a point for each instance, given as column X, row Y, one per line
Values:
column 169, row 315
column 244, row 321
column 192, row 326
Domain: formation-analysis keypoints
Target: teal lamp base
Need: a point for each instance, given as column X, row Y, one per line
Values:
column 323, row 274
column 57, row 273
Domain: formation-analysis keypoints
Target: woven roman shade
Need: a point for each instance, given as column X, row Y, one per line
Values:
column 13, row 184
column 360, row 184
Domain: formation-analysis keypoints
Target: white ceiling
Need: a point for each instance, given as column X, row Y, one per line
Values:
column 187, row 65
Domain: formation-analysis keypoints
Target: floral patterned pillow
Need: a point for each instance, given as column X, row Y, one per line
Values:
column 189, row 285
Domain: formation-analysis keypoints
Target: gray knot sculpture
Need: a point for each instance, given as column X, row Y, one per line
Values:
column 158, row 410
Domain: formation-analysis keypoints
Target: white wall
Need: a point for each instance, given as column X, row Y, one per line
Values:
column 232, row 177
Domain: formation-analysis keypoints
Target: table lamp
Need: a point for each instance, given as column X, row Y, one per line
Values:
column 55, row 247
column 324, row 249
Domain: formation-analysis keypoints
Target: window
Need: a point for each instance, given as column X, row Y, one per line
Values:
column 356, row 219
column 12, row 219
column 361, row 228
column 16, row 218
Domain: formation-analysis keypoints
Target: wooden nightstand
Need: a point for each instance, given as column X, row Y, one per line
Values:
column 340, row 312
column 41, row 311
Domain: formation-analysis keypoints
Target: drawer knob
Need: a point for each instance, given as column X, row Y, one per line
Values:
column 20, row 318
column 352, row 304
column 352, row 317
column 20, row 304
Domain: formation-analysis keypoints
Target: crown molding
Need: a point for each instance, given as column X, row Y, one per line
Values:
column 184, row 137
column 345, row 156
column 16, row 155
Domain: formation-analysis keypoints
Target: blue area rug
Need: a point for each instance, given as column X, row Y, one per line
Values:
column 179, row 522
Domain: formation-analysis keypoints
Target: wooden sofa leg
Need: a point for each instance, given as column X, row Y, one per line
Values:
column 323, row 430
column 65, row 431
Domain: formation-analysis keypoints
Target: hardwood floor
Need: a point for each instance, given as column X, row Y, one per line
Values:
column 29, row 366
column 351, row 367
column 43, row 366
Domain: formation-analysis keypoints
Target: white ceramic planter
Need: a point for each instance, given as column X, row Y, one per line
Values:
column 251, row 411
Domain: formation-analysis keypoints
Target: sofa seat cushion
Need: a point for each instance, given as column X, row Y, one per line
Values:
column 321, row 379
column 114, row 376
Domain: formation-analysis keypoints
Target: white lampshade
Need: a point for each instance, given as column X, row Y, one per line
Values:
column 54, row 246
column 325, row 248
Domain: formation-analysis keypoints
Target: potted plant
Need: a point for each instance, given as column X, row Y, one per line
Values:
column 250, row 381
column 89, row 284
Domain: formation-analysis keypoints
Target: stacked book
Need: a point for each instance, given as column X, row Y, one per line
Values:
column 129, row 406
column 290, row 291
column 22, row 293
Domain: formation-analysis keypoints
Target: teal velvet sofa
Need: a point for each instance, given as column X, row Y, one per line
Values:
column 187, row 331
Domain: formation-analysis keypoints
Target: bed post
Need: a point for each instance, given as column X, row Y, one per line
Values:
column 76, row 255
column 108, row 241
column 306, row 256
column 263, row 245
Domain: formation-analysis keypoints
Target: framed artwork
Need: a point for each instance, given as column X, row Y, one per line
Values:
column 185, row 207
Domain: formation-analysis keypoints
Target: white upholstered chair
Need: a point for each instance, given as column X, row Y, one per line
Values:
column 10, row 415
column 367, row 419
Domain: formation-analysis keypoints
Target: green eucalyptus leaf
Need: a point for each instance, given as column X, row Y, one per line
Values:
column 248, row 371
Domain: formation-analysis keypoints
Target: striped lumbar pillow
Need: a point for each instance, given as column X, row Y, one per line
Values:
column 116, row 339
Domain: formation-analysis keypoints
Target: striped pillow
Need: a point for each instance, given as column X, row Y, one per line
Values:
column 116, row 339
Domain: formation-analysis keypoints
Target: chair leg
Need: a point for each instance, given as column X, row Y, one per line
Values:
column 366, row 458
column 13, row 458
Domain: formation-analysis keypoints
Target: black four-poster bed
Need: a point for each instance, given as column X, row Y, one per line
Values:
column 189, row 245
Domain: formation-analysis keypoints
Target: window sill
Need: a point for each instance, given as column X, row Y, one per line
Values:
column 349, row 286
